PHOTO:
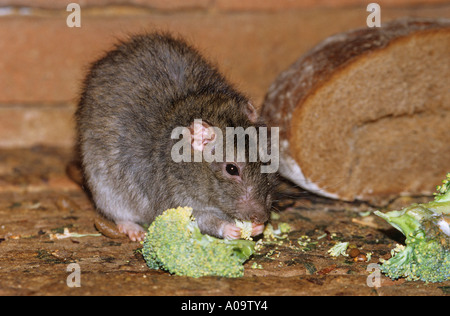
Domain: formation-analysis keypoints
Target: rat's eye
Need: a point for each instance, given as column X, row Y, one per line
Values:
column 232, row 169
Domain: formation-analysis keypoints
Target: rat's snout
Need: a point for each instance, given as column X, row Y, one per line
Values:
column 253, row 208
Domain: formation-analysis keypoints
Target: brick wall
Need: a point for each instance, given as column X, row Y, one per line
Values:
column 43, row 62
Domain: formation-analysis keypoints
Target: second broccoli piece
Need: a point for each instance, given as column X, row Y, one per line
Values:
column 426, row 256
column 174, row 243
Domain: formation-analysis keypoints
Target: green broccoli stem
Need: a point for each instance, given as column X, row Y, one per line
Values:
column 407, row 220
column 242, row 249
column 443, row 198
column 439, row 207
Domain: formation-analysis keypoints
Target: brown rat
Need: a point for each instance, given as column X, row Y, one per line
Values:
column 132, row 100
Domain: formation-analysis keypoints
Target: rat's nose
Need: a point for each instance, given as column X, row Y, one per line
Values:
column 252, row 208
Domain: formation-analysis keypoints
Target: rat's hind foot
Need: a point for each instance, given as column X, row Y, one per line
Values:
column 134, row 231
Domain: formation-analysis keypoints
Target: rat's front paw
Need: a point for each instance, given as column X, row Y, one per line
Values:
column 230, row 231
column 134, row 231
column 257, row 229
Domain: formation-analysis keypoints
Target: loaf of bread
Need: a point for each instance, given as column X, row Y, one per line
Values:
column 365, row 115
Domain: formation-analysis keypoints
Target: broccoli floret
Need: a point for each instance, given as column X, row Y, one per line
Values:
column 270, row 233
column 339, row 249
column 246, row 229
column 174, row 243
column 284, row 228
column 443, row 194
column 426, row 256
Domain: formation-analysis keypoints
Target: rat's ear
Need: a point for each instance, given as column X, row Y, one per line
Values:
column 251, row 112
column 201, row 134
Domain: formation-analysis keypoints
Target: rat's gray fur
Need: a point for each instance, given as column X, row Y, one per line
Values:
column 132, row 100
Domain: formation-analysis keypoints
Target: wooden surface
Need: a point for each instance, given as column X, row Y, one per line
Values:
column 37, row 199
